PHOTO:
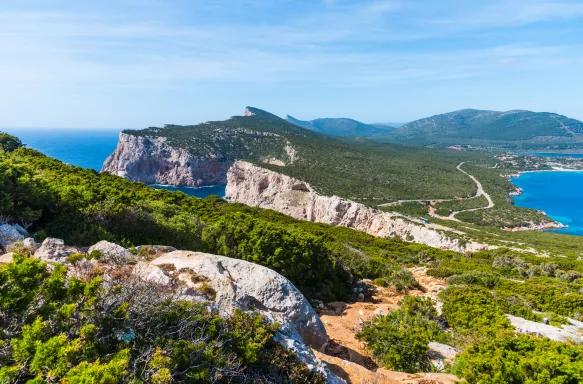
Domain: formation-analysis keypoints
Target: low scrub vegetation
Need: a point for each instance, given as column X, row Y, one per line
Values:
column 55, row 328
column 400, row 340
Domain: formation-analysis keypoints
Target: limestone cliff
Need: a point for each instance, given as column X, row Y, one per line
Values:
column 252, row 185
column 153, row 161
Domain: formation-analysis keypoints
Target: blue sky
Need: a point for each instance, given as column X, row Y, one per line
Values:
column 138, row 63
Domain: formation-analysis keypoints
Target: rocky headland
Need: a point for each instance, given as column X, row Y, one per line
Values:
column 152, row 160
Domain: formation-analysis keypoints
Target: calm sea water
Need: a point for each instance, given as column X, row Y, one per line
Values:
column 559, row 194
column 88, row 148
column 543, row 154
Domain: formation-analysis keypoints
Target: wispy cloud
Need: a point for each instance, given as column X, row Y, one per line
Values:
column 151, row 44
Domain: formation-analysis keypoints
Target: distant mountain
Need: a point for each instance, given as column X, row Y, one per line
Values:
column 341, row 127
column 388, row 125
column 471, row 126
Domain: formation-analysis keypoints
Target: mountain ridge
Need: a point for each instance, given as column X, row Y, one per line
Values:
column 341, row 126
column 485, row 127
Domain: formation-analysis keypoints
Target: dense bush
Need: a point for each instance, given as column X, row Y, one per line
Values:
column 56, row 328
column 399, row 340
column 473, row 314
column 518, row 359
column 83, row 207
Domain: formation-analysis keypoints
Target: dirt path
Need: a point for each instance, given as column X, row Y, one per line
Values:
column 343, row 321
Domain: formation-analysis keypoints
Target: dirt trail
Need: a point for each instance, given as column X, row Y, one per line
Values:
column 344, row 320
column 480, row 192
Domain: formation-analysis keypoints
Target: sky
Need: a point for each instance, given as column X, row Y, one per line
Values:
column 140, row 63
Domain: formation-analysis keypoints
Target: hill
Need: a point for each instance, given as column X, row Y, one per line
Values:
column 515, row 128
column 341, row 127
column 84, row 319
column 362, row 170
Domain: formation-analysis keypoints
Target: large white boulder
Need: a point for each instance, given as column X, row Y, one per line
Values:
column 8, row 235
column 248, row 286
column 112, row 253
column 53, row 249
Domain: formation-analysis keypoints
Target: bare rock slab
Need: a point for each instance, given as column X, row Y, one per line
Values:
column 247, row 286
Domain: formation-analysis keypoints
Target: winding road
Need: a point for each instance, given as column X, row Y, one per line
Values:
column 480, row 192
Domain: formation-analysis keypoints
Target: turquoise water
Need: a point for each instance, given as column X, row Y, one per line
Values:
column 559, row 194
column 88, row 148
column 543, row 154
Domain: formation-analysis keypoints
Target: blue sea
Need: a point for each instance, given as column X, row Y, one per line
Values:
column 88, row 148
column 544, row 154
column 559, row 194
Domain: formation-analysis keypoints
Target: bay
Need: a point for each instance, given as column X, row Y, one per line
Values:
column 559, row 194
column 88, row 148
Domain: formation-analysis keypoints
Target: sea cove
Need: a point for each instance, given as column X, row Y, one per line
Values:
column 559, row 194
column 88, row 148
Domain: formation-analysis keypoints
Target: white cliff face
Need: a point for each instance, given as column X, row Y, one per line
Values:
column 152, row 161
column 260, row 187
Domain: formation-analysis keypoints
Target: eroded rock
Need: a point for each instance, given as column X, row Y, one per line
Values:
column 248, row 286
column 255, row 186
column 113, row 253
column 53, row 249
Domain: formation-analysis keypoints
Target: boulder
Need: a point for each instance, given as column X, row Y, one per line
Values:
column 21, row 230
column 53, row 249
column 112, row 253
column 6, row 258
column 292, row 341
column 151, row 273
column 9, row 235
column 248, row 286
column 30, row 245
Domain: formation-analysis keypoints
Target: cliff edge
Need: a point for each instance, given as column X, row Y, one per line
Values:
column 152, row 160
column 255, row 186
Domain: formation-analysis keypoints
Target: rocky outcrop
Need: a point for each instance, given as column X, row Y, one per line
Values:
column 112, row 253
column 9, row 234
column 152, row 160
column 252, row 185
column 53, row 249
column 570, row 332
column 244, row 285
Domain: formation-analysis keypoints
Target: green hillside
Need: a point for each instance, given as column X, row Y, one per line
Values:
column 342, row 127
column 362, row 170
column 56, row 326
column 477, row 127
column 356, row 168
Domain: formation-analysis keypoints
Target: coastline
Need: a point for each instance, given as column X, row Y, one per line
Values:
column 185, row 186
column 556, row 224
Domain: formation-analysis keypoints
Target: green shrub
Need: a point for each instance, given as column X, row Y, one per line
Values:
column 61, row 329
column 482, row 279
column 473, row 313
column 399, row 341
column 398, row 278
column 520, row 359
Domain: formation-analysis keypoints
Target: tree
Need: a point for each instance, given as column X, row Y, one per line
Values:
column 9, row 143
